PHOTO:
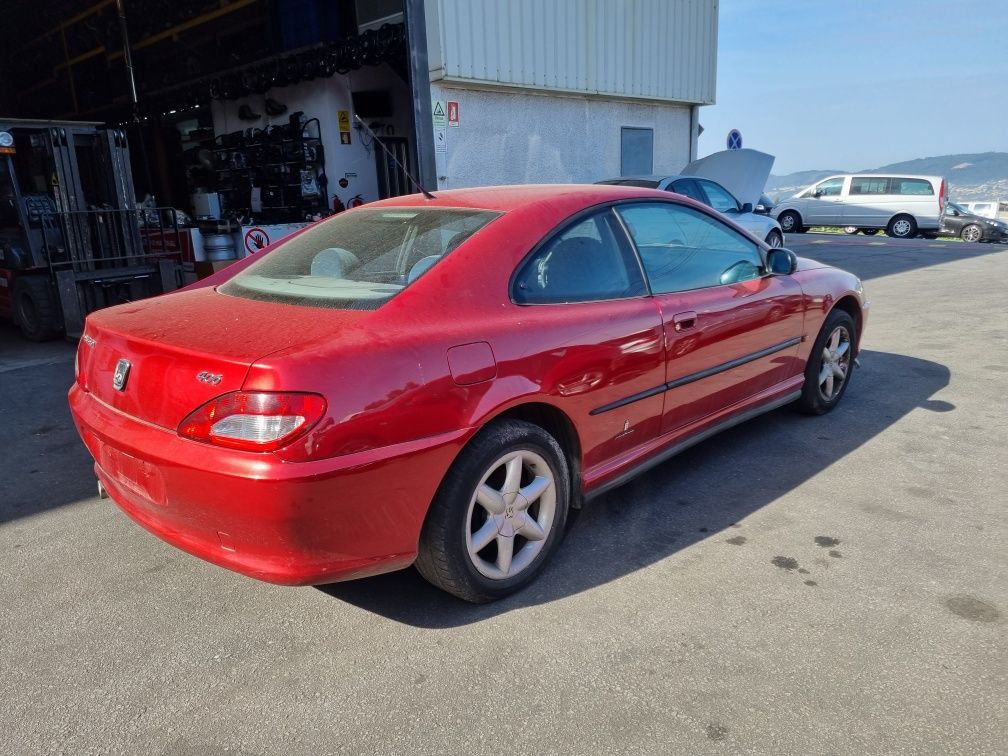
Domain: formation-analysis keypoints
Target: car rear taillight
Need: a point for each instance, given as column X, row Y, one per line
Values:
column 943, row 197
column 254, row 421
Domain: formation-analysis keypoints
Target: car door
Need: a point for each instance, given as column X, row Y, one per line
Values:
column 824, row 206
column 718, row 197
column 731, row 330
column 589, row 332
column 866, row 204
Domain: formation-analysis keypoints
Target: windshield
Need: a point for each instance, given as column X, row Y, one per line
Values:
column 957, row 207
column 358, row 260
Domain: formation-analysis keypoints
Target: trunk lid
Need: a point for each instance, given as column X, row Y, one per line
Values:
column 189, row 347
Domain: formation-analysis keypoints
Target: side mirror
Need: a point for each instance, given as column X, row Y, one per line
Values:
column 747, row 207
column 760, row 209
column 817, row 194
column 782, row 262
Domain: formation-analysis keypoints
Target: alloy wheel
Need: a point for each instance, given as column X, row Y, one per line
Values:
column 511, row 514
column 902, row 228
column 835, row 363
column 971, row 233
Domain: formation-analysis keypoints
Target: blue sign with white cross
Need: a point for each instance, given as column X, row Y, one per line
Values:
column 734, row 139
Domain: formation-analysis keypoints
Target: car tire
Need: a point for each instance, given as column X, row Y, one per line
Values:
column 33, row 305
column 775, row 238
column 850, row 230
column 790, row 222
column 869, row 231
column 971, row 233
column 820, row 392
column 478, row 513
column 902, row 227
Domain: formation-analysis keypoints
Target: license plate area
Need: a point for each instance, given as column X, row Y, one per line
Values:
column 135, row 475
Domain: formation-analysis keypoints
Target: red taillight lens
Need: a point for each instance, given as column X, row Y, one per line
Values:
column 254, row 421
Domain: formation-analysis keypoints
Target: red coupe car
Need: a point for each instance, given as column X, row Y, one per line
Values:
column 437, row 381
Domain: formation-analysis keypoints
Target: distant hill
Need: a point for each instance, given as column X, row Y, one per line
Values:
column 973, row 176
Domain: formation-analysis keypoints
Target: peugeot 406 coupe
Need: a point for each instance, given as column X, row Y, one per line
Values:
column 438, row 381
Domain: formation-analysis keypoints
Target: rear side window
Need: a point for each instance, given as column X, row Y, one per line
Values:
column 359, row 259
column 587, row 262
column 869, row 185
column 911, row 186
column 689, row 188
column 684, row 249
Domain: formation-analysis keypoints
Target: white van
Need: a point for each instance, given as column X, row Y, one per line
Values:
column 902, row 205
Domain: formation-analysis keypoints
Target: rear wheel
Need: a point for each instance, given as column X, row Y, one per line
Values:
column 902, row 227
column 775, row 238
column 33, row 303
column 498, row 515
column 971, row 233
column 829, row 367
column 869, row 231
column 790, row 222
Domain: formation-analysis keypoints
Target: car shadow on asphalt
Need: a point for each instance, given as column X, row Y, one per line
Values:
column 698, row 495
column 875, row 257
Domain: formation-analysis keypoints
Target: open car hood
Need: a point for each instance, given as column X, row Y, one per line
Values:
column 743, row 172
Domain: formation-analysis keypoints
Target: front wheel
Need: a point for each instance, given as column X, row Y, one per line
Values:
column 498, row 515
column 790, row 222
column 829, row 367
column 869, row 231
column 971, row 233
column 775, row 239
column 902, row 227
column 850, row 230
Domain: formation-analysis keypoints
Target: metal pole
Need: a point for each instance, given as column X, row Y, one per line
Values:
column 128, row 58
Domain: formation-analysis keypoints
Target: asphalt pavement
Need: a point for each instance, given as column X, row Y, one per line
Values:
column 795, row 585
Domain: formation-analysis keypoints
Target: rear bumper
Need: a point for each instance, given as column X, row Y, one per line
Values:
column 289, row 523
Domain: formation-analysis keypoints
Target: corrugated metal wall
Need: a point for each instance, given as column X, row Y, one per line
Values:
column 648, row 49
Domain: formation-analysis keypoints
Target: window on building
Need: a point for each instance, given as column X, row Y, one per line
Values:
column 636, row 151
column 587, row 262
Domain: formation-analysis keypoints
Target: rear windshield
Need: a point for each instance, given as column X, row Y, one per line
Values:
column 645, row 183
column 358, row 260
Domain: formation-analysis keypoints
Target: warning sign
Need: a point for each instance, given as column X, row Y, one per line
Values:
column 344, row 137
column 344, row 120
column 440, row 142
column 453, row 116
column 256, row 239
column 438, row 112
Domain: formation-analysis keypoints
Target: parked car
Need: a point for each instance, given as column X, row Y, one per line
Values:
column 958, row 221
column 900, row 205
column 765, row 205
column 440, row 380
column 716, row 196
column 730, row 181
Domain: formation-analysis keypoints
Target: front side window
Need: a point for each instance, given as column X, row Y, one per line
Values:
column 869, row 185
column 684, row 249
column 357, row 260
column 828, row 188
column 587, row 262
column 912, row 186
column 719, row 197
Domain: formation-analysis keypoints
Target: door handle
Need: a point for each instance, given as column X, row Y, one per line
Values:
column 684, row 320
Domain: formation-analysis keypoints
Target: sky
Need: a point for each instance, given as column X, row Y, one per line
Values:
column 855, row 84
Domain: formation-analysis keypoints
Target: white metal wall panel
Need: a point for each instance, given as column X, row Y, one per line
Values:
column 646, row 49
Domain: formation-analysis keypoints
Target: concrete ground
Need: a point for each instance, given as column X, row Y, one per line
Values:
column 796, row 585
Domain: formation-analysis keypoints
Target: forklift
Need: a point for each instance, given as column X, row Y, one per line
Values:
column 72, row 238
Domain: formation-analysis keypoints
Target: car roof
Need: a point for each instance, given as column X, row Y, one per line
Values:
column 515, row 197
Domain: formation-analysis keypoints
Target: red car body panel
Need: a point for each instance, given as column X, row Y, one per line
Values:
column 408, row 384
